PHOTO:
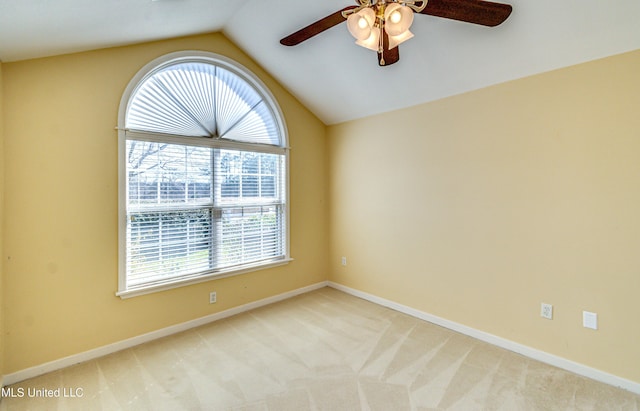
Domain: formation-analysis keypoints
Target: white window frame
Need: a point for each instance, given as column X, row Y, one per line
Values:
column 123, row 135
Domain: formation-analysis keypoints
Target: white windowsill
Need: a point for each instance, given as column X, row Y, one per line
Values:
column 207, row 277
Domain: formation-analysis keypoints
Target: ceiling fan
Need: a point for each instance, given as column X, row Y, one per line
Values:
column 380, row 25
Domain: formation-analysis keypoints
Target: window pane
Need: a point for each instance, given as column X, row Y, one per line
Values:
column 268, row 165
column 169, row 244
column 248, row 177
column 268, row 186
column 249, row 234
column 250, row 186
column 168, row 173
column 250, row 163
column 229, row 166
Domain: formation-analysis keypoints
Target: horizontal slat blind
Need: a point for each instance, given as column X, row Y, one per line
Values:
column 168, row 245
column 249, row 234
column 195, row 210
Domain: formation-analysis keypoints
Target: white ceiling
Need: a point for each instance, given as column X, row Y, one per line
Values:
column 333, row 77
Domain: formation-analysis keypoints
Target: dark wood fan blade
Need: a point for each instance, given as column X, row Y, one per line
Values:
column 481, row 12
column 315, row 28
column 388, row 57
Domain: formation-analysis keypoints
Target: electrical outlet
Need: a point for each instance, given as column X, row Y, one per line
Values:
column 546, row 311
column 212, row 297
column 590, row 320
column 344, row 261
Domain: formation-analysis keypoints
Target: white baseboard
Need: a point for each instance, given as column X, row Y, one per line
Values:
column 154, row 335
column 533, row 353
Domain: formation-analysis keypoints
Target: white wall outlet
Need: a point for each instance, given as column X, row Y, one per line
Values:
column 590, row 320
column 212, row 297
column 344, row 261
column 546, row 311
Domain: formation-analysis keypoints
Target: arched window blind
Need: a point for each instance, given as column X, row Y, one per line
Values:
column 200, row 99
column 203, row 175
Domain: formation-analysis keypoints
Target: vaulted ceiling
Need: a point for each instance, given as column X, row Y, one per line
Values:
column 333, row 77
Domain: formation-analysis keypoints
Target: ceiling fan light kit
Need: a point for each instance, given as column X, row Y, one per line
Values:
column 381, row 25
column 371, row 18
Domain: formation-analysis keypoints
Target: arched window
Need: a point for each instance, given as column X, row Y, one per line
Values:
column 203, row 174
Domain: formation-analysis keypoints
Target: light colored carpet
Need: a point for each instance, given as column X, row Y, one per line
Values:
column 324, row 350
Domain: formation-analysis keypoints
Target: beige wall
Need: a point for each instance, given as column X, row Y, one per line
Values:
column 61, row 201
column 479, row 207
column 2, row 331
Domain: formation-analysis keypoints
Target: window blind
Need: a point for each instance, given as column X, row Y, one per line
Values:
column 194, row 210
column 202, row 100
